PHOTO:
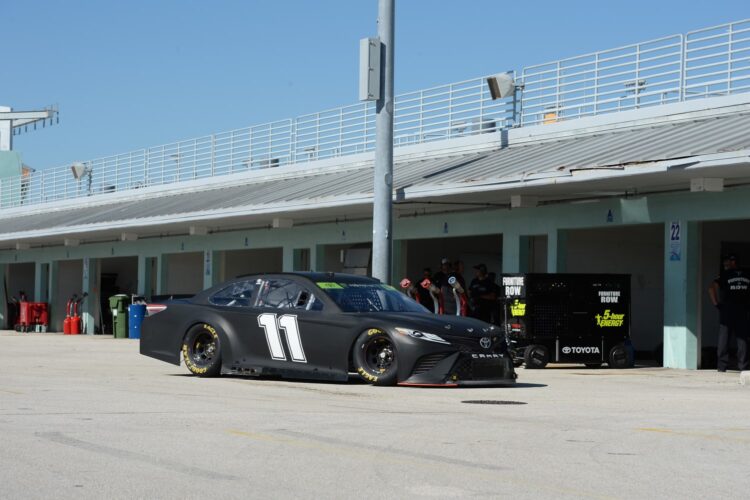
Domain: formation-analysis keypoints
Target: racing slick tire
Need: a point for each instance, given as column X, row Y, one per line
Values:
column 201, row 350
column 536, row 357
column 620, row 357
column 374, row 357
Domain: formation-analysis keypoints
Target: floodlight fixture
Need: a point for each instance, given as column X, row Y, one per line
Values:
column 80, row 170
column 501, row 85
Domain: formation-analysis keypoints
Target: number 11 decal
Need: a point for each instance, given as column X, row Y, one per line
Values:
column 288, row 322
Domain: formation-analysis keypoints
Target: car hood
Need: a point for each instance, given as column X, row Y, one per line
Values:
column 443, row 325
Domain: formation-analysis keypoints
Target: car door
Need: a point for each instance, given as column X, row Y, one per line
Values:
column 235, row 306
column 304, row 336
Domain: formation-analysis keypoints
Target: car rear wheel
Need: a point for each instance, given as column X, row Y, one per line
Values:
column 374, row 357
column 201, row 351
column 536, row 356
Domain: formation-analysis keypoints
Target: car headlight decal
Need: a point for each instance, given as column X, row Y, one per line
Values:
column 416, row 334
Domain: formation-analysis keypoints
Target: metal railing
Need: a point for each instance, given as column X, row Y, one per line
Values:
column 612, row 80
column 698, row 64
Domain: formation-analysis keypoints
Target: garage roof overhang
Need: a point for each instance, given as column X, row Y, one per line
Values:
column 626, row 153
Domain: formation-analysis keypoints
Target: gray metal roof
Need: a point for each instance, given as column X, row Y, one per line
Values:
column 553, row 157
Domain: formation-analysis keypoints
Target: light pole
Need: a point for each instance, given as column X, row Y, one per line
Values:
column 382, row 217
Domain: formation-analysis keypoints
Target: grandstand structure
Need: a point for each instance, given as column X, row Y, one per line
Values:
column 634, row 159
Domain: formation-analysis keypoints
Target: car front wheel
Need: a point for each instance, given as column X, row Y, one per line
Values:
column 375, row 357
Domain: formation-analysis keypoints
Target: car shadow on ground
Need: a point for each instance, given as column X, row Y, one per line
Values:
column 356, row 380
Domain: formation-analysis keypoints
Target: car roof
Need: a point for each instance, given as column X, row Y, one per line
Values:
column 316, row 277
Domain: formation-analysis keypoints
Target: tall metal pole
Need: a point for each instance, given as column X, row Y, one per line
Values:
column 382, row 218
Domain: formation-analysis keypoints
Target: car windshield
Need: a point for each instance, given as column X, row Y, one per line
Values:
column 369, row 297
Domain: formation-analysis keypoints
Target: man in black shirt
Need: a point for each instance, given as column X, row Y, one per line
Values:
column 440, row 280
column 730, row 293
column 482, row 292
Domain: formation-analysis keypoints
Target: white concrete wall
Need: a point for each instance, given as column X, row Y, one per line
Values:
column 261, row 260
column 184, row 273
column 635, row 250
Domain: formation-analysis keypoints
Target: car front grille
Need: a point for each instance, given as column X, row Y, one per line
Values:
column 427, row 363
column 471, row 344
column 480, row 369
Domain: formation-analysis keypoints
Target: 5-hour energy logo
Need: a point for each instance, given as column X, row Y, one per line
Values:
column 609, row 319
column 518, row 308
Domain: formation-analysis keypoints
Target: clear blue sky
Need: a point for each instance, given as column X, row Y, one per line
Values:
column 136, row 73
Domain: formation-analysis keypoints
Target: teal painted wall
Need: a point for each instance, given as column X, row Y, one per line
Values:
column 554, row 221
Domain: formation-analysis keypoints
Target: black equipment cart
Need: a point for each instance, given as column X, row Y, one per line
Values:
column 568, row 318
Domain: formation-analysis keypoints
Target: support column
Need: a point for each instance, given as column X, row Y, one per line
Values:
column 42, row 284
column 318, row 258
column 399, row 261
column 515, row 253
column 557, row 246
column 287, row 262
column 161, row 274
column 90, row 305
column 145, row 276
column 4, row 297
column 302, row 259
column 314, row 257
column 49, row 289
column 382, row 209
column 211, row 268
column 681, row 297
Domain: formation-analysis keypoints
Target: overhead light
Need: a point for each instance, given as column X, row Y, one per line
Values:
column 501, row 85
column 279, row 222
column 79, row 170
column 22, row 246
column 707, row 184
column 198, row 230
column 72, row 242
column 128, row 237
column 523, row 201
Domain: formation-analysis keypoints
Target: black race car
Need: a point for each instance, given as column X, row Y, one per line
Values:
column 324, row 326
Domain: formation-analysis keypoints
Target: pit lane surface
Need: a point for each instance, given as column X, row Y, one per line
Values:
column 88, row 417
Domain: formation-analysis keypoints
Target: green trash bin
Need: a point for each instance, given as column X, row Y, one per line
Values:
column 118, row 304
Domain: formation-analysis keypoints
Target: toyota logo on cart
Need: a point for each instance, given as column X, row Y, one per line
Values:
column 580, row 350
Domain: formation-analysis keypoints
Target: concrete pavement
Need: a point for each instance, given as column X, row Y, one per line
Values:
column 88, row 417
